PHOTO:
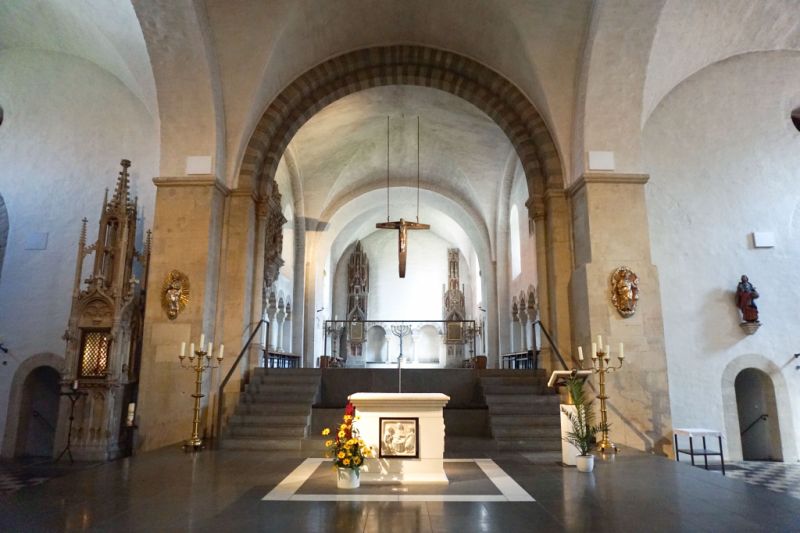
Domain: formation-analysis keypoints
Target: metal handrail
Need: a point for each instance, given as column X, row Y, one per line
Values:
column 550, row 340
column 36, row 414
column 234, row 366
column 756, row 421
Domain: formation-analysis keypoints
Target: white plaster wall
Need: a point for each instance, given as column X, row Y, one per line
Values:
column 527, row 276
column 67, row 125
column 417, row 296
column 723, row 158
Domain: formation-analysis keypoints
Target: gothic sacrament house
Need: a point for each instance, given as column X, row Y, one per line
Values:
column 105, row 327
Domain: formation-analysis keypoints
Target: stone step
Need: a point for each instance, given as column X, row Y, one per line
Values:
column 540, row 389
column 304, row 388
column 268, row 420
column 507, row 372
column 266, row 432
column 529, row 445
column 525, row 432
column 523, row 399
column 261, row 371
column 543, row 420
column 278, row 397
column 521, row 409
column 239, row 443
column 274, row 409
column 522, row 381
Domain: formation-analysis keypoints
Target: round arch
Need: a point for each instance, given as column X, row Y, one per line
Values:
column 490, row 92
column 15, row 396
column 731, row 415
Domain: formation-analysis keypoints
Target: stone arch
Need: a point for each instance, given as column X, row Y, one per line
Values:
column 731, row 415
column 490, row 92
column 30, row 364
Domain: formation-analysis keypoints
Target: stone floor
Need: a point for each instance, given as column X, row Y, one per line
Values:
column 168, row 490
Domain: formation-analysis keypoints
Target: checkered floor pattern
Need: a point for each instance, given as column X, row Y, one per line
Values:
column 777, row 477
column 14, row 477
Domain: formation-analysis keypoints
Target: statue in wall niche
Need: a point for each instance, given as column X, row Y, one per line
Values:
column 746, row 295
column 625, row 291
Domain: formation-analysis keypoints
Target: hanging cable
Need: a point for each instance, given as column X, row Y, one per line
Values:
column 387, row 169
column 418, row 168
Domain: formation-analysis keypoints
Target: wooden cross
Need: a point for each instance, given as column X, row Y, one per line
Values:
column 402, row 226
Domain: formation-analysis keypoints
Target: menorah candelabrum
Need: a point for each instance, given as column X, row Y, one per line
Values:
column 400, row 332
column 601, row 365
column 199, row 360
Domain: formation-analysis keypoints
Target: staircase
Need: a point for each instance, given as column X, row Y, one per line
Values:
column 274, row 412
column 523, row 414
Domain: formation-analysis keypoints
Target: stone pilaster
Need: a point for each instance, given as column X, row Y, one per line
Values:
column 187, row 236
column 610, row 230
column 559, row 266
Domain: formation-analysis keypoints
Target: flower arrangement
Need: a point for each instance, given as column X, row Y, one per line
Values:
column 347, row 448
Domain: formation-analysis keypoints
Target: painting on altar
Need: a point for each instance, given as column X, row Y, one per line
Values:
column 399, row 437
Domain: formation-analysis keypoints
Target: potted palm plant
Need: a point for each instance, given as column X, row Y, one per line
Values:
column 584, row 429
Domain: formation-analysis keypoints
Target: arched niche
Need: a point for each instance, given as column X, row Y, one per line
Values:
column 759, row 426
column 731, row 415
column 16, row 396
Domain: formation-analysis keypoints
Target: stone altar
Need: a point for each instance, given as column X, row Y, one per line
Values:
column 428, row 465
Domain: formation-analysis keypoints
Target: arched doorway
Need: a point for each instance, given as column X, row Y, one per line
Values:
column 758, row 416
column 38, row 413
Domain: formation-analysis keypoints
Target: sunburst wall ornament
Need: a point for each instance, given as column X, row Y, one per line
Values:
column 402, row 225
column 175, row 293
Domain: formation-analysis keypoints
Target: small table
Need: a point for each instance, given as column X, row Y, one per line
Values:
column 705, row 452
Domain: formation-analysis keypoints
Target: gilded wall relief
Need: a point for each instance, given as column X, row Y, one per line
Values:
column 175, row 293
column 625, row 291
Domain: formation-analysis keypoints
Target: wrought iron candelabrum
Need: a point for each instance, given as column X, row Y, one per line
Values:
column 199, row 361
column 601, row 365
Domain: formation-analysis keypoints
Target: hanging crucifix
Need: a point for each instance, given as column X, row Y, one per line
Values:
column 402, row 226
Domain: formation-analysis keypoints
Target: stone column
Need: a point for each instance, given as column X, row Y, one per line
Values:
column 279, row 318
column 611, row 230
column 536, row 211
column 272, row 311
column 559, row 266
column 522, row 342
column 287, row 329
column 514, row 324
column 187, row 236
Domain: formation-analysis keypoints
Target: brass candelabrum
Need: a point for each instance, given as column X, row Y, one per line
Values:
column 199, row 361
column 601, row 365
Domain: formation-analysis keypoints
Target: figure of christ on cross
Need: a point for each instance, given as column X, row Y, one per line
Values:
column 402, row 226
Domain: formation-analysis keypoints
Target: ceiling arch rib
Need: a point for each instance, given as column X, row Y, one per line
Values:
column 402, row 65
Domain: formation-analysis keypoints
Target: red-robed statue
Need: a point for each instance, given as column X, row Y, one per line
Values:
column 745, row 300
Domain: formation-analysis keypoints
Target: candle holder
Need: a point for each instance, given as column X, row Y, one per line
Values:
column 199, row 361
column 74, row 394
column 601, row 365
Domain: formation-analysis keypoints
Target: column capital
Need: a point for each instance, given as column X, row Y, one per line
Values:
column 536, row 207
column 588, row 178
column 205, row 180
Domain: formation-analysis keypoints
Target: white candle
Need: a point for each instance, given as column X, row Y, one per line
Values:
column 580, row 353
column 221, row 350
column 183, row 350
column 210, row 349
column 608, row 351
column 594, row 350
column 202, row 341
column 621, row 352
column 600, row 341
column 131, row 409
column 191, row 351
column 75, row 385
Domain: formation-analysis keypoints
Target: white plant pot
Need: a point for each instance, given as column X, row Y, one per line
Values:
column 348, row 478
column 585, row 463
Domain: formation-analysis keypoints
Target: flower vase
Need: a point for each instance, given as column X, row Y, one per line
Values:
column 348, row 478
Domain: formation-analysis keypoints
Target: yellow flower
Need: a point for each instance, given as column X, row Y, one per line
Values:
column 341, row 455
column 346, row 462
column 357, row 461
column 328, row 443
column 326, row 431
column 341, row 434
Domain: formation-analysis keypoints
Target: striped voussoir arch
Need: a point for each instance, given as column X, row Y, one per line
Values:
column 403, row 65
